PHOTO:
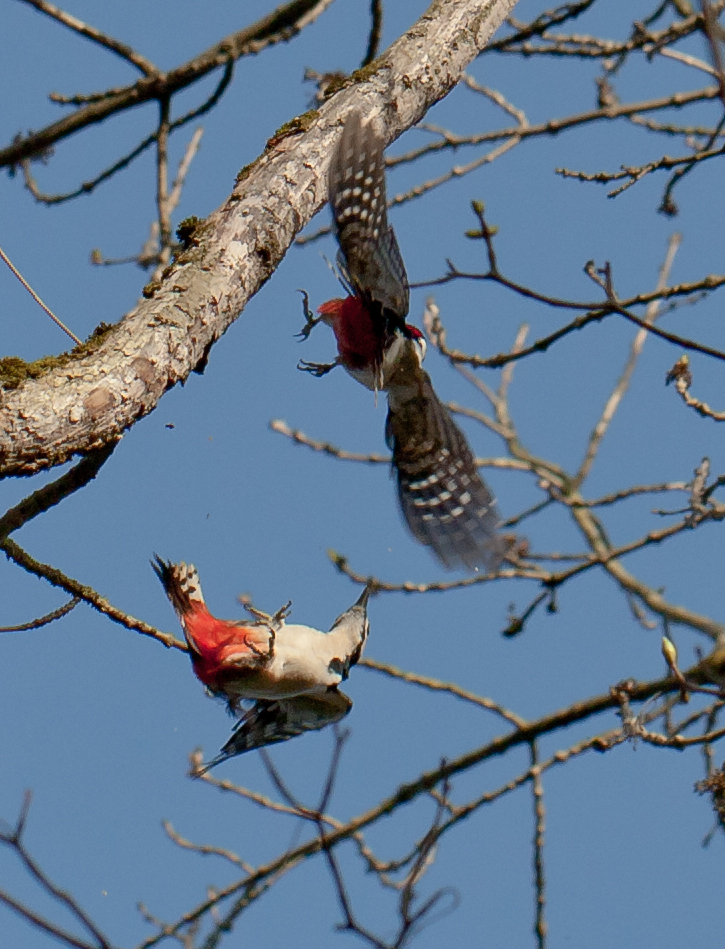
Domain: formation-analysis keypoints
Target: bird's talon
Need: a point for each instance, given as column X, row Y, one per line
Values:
column 311, row 320
column 266, row 618
column 317, row 369
column 266, row 656
column 307, row 328
column 281, row 615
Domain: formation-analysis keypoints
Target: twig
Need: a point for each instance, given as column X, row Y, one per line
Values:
column 633, row 174
column 13, row 839
column 90, row 32
column 681, row 375
column 37, row 299
column 282, row 428
column 278, row 26
column 615, row 399
column 51, row 494
column 205, row 849
column 162, row 186
column 537, row 790
column 436, row 685
column 376, row 32
column 87, row 594
column 43, row 620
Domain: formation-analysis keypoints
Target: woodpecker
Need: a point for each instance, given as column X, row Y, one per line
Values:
column 443, row 499
column 289, row 673
column 369, row 324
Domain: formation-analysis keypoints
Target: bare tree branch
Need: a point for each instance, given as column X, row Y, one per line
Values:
column 276, row 27
column 235, row 251
column 43, row 620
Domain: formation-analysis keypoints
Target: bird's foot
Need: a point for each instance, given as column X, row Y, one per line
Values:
column 317, row 369
column 274, row 620
column 311, row 320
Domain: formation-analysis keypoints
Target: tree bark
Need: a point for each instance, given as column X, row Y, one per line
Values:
column 93, row 396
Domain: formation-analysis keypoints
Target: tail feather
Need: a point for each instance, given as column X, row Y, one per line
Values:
column 181, row 583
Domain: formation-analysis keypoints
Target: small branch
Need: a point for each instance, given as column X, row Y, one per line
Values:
column 96, row 36
column 87, row 187
column 43, row 620
column 633, row 174
column 162, row 187
column 436, row 685
column 35, row 919
column 681, row 375
column 635, row 491
column 341, row 563
column 277, row 27
column 517, row 622
column 537, row 790
column 376, row 32
column 542, row 23
column 205, row 849
column 87, row 594
column 427, row 781
column 282, row 428
column 615, row 399
column 184, row 165
column 13, row 839
column 51, row 494
column 37, row 299
column 598, row 312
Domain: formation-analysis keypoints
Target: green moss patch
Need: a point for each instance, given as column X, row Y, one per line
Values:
column 15, row 371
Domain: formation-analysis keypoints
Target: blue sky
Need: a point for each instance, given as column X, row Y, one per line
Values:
column 99, row 721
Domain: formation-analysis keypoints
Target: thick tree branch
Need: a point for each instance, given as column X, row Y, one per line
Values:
column 93, row 397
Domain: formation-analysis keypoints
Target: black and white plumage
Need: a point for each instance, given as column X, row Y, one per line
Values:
column 442, row 497
column 268, row 722
column 445, row 502
column 328, row 657
column 281, row 678
column 369, row 256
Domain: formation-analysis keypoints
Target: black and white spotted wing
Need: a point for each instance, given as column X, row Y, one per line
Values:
column 269, row 721
column 369, row 254
column 444, row 501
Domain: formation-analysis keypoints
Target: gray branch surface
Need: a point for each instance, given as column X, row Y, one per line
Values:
column 86, row 402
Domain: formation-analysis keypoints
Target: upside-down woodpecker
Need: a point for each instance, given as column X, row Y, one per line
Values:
column 444, row 501
column 289, row 673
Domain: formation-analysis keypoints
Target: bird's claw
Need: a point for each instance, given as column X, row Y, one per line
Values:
column 281, row 615
column 275, row 620
column 317, row 369
column 311, row 320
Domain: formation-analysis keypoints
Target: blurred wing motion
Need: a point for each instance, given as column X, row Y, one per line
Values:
column 269, row 722
column 291, row 673
column 369, row 255
column 443, row 499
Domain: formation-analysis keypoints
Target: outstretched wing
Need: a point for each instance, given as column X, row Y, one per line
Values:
column 269, row 722
column 444, row 501
column 369, row 254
